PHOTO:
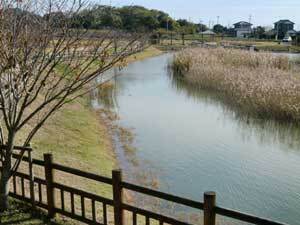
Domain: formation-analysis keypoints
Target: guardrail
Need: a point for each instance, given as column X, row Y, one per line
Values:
column 38, row 187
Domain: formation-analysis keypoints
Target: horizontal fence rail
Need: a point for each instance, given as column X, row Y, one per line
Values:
column 80, row 173
column 164, row 196
column 45, row 191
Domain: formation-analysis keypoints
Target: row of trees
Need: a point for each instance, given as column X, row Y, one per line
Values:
column 131, row 18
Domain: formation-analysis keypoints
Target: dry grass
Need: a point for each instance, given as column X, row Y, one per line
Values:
column 261, row 84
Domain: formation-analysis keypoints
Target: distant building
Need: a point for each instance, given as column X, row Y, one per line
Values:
column 243, row 29
column 208, row 32
column 284, row 28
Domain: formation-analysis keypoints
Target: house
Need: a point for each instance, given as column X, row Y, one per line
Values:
column 284, row 28
column 208, row 33
column 242, row 29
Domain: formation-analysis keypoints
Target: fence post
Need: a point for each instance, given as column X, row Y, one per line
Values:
column 49, row 184
column 117, row 196
column 31, row 176
column 115, row 45
column 209, row 212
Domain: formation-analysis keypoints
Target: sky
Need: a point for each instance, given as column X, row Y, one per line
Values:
column 262, row 12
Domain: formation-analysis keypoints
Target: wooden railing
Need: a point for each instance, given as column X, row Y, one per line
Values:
column 38, row 187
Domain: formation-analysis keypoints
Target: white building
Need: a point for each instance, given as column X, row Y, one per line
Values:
column 243, row 29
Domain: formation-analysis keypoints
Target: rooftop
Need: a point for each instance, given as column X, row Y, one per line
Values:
column 243, row 23
column 285, row 22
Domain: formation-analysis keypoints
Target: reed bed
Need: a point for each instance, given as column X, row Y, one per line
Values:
column 261, row 84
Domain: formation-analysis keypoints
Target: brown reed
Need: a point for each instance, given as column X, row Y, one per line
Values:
column 263, row 84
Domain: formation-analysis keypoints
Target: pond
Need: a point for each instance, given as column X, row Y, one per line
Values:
column 198, row 144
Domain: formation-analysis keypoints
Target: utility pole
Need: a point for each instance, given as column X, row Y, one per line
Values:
column 168, row 30
column 167, row 24
column 218, row 19
column 277, row 36
column 250, row 20
column 201, row 30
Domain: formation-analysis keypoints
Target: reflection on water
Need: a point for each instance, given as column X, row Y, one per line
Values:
column 198, row 143
column 105, row 93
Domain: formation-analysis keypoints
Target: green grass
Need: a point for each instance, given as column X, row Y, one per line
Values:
column 148, row 52
column 77, row 137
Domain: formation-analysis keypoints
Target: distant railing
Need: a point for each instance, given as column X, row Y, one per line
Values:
column 36, row 198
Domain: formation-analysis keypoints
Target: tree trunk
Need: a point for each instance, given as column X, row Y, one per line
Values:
column 6, row 173
column 4, row 191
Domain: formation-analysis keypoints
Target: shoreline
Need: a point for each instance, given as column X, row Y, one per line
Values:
column 122, row 138
column 108, row 117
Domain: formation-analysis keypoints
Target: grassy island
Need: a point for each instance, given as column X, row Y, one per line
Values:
column 262, row 84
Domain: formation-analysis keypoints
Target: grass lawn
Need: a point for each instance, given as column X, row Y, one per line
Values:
column 77, row 137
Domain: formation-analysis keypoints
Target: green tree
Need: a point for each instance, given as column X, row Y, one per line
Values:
column 132, row 18
column 105, row 16
column 219, row 29
column 201, row 27
column 260, row 32
column 84, row 19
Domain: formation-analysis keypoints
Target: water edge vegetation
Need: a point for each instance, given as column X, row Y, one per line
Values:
column 260, row 84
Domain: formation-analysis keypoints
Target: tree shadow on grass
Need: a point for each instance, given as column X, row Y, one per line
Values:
column 23, row 214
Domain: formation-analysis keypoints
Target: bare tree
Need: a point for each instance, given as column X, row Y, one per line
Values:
column 44, row 64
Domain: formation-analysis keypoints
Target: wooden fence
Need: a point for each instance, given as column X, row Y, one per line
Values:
column 37, row 198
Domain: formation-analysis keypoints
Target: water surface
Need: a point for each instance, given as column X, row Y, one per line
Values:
column 197, row 144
